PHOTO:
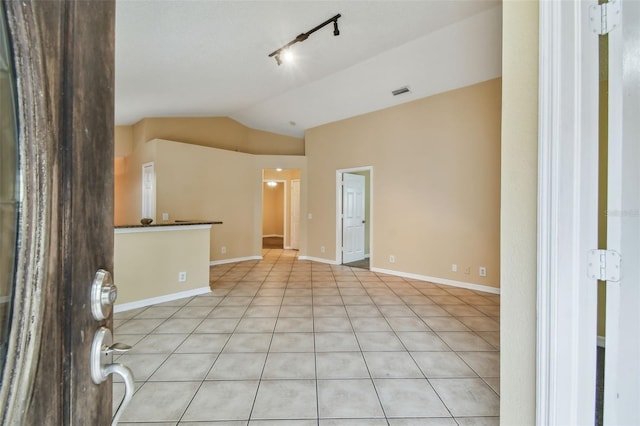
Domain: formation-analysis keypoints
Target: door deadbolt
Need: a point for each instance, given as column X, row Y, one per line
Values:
column 103, row 295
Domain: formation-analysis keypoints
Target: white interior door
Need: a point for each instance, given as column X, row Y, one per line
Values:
column 295, row 214
column 622, row 359
column 353, row 217
column 148, row 191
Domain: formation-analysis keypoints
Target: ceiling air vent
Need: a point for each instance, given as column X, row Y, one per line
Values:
column 400, row 91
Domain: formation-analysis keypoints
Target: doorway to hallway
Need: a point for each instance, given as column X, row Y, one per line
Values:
column 280, row 208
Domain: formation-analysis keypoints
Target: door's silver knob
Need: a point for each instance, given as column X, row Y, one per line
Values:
column 103, row 295
column 102, row 350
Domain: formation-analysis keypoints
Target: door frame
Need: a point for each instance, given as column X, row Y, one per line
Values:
column 291, row 205
column 339, row 174
column 567, row 214
column 285, row 222
column 621, row 385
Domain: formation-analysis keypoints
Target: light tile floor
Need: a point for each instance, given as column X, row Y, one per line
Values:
column 288, row 342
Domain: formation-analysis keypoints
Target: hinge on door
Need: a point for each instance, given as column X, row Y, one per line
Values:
column 604, row 265
column 604, row 17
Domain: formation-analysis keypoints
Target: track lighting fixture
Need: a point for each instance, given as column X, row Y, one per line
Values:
column 284, row 53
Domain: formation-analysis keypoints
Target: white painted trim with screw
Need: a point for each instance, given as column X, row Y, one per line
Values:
column 567, row 214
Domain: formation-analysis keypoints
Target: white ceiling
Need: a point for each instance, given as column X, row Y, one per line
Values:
column 209, row 57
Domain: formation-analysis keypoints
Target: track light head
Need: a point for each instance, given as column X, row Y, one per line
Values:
column 283, row 55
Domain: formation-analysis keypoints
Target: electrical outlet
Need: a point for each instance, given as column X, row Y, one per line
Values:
column 165, row 216
column 454, row 267
column 322, row 249
column 392, row 259
column 182, row 277
column 467, row 270
column 310, row 216
column 483, row 271
column 223, row 250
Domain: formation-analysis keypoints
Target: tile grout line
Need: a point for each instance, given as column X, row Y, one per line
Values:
column 204, row 378
column 275, row 265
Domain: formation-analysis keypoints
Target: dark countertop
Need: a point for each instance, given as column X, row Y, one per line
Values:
column 174, row 223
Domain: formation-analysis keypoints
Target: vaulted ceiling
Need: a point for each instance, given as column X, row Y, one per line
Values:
column 210, row 58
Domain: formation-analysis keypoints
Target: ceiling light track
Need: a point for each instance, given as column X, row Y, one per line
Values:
column 276, row 54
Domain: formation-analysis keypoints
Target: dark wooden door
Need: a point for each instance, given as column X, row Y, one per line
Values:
column 63, row 55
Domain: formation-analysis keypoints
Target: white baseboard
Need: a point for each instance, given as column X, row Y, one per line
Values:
column 319, row 260
column 160, row 299
column 234, row 260
column 444, row 281
column 273, row 235
column 601, row 341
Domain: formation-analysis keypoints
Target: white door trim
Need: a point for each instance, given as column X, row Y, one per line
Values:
column 284, row 210
column 567, row 214
column 339, row 173
column 292, row 205
column 622, row 361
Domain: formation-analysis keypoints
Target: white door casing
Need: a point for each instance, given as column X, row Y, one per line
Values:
column 622, row 360
column 567, row 214
column 281, row 208
column 353, row 217
column 295, row 214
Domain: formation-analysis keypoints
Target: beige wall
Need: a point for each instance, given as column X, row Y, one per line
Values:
column 196, row 182
column 146, row 264
column 120, row 189
column 123, row 141
column 603, row 166
column 261, row 142
column 128, row 183
column 215, row 132
column 519, row 212
column 436, row 183
column 273, row 209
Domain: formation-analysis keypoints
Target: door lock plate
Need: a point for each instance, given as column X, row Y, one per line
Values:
column 103, row 295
